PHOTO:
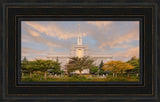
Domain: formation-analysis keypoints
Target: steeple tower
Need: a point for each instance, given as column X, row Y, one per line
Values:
column 79, row 38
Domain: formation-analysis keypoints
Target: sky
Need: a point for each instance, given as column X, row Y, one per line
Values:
column 118, row 38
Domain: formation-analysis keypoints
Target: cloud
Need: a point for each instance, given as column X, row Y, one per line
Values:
column 100, row 24
column 105, row 35
column 120, row 39
column 32, row 36
column 25, row 54
column 117, row 36
column 51, row 29
column 26, row 50
column 33, row 33
column 125, row 55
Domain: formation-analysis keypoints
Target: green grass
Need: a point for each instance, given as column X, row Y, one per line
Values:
column 132, row 77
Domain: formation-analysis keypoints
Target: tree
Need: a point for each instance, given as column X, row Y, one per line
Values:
column 117, row 67
column 101, row 71
column 44, row 65
column 30, row 67
column 134, row 61
column 101, row 64
column 24, row 62
column 56, row 68
column 23, row 65
column 76, row 63
column 94, row 70
column 111, row 66
column 128, row 67
column 57, row 59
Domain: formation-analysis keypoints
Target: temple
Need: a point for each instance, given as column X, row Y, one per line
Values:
column 79, row 50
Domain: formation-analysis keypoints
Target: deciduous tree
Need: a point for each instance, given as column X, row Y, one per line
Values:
column 117, row 67
column 76, row 63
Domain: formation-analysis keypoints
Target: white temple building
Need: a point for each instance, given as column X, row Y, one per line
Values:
column 79, row 50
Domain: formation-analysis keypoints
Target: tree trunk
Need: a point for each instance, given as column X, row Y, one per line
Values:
column 30, row 74
column 113, row 75
column 22, row 74
column 45, row 75
column 121, row 73
column 128, row 74
column 80, row 72
column 116, row 74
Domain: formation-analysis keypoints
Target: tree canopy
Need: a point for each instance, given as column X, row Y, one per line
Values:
column 94, row 70
column 117, row 67
column 134, row 61
column 76, row 63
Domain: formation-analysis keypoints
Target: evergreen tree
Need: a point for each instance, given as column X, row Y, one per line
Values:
column 57, row 59
column 24, row 63
column 134, row 61
column 24, row 59
column 100, row 70
column 101, row 64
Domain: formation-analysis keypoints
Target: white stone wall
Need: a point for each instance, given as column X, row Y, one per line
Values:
column 64, row 61
column 64, row 58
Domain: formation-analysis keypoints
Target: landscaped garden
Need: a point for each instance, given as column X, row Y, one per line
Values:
column 48, row 70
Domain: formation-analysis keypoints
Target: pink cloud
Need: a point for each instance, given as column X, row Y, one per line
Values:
column 26, row 50
column 36, row 37
column 100, row 23
column 128, row 53
column 51, row 29
column 117, row 40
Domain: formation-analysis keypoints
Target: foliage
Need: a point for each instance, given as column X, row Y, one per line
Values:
column 134, row 61
column 117, row 67
column 101, row 70
column 57, row 59
column 40, row 65
column 44, row 65
column 101, row 64
column 24, row 64
column 30, row 66
column 94, row 70
column 56, row 68
column 76, row 63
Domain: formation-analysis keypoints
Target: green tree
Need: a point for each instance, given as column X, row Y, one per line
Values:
column 134, row 61
column 57, row 59
column 44, row 65
column 101, row 71
column 24, row 63
column 76, row 63
column 56, row 68
column 101, row 64
column 94, row 70
column 30, row 67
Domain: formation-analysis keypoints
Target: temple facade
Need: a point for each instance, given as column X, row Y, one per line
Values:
column 79, row 50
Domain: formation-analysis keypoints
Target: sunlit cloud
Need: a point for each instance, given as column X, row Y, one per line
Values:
column 125, row 55
column 52, row 30
column 100, row 23
column 30, row 50
column 120, row 39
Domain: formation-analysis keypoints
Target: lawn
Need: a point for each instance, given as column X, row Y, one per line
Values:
column 132, row 77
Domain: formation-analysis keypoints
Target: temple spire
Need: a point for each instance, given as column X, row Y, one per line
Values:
column 79, row 38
